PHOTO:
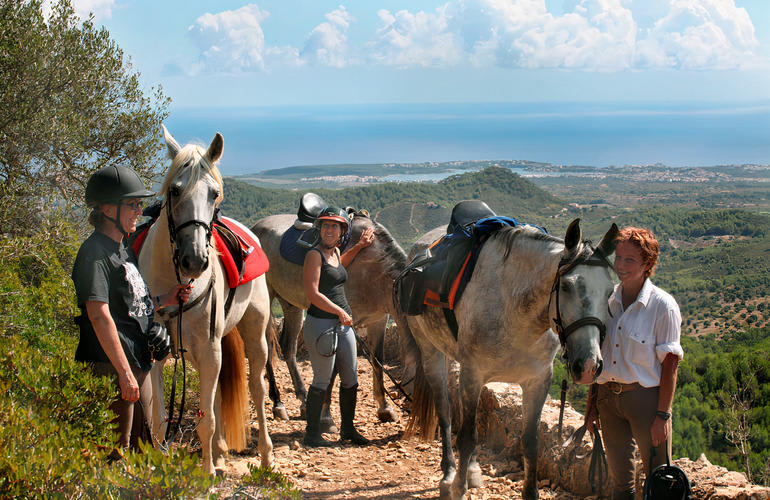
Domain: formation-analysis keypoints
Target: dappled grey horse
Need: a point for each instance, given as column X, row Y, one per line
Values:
column 368, row 290
column 525, row 284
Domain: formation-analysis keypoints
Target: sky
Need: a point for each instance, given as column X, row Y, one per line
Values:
column 318, row 52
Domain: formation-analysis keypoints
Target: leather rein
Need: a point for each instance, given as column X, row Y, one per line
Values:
column 173, row 230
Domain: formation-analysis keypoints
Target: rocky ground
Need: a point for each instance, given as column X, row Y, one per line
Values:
column 388, row 468
column 393, row 468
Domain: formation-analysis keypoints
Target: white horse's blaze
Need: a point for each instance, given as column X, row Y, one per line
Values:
column 193, row 188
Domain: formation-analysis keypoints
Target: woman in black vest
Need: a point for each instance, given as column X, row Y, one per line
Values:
column 115, row 303
column 328, row 332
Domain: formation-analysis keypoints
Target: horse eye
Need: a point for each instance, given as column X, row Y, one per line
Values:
column 214, row 194
column 174, row 191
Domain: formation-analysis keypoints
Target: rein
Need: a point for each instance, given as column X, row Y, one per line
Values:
column 173, row 229
column 368, row 353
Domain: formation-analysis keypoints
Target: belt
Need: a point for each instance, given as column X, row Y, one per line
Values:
column 619, row 388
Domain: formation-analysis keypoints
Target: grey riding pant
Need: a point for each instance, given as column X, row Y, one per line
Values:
column 319, row 344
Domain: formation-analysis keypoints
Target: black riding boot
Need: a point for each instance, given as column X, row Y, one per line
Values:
column 313, row 437
column 348, row 411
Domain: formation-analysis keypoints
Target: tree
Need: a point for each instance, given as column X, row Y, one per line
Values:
column 70, row 103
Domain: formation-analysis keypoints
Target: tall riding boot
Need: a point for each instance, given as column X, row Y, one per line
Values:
column 348, row 430
column 313, row 437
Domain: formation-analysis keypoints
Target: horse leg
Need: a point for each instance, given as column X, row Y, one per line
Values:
column 470, row 389
column 252, row 328
column 219, row 446
column 327, row 422
column 533, row 397
column 158, row 417
column 434, row 367
column 292, row 325
column 207, row 358
column 279, row 410
column 375, row 334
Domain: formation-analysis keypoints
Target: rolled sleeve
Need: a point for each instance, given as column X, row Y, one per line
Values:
column 668, row 332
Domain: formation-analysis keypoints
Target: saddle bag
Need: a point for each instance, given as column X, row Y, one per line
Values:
column 410, row 286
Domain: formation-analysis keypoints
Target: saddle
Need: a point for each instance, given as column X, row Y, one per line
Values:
column 239, row 249
column 438, row 276
column 303, row 235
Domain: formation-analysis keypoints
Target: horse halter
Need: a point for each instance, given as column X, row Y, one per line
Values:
column 597, row 258
column 173, row 230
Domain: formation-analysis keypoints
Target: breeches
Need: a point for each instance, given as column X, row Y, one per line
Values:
column 319, row 346
column 625, row 418
column 130, row 416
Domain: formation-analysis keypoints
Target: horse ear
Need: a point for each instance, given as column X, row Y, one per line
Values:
column 608, row 243
column 172, row 146
column 572, row 238
column 215, row 149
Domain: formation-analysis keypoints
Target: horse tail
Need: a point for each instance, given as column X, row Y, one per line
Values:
column 423, row 418
column 235, row 396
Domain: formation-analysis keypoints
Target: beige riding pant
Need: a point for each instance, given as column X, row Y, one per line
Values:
column 626, row 418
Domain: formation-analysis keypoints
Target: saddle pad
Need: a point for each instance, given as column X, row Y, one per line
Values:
column 255, row 260
column 289, row 248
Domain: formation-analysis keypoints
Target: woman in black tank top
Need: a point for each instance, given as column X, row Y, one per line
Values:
column 328, row 332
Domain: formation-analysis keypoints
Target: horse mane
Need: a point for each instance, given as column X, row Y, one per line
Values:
column 192, row 157
column 517, row 237
column 394, row 256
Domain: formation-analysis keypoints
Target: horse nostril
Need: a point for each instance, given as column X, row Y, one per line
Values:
column 599, row 367
column 185, row 262
column 577, row 368
column 205, row 264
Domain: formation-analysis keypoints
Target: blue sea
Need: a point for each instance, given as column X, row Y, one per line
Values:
column 595, row 134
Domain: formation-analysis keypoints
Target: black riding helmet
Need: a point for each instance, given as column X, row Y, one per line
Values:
column 334, row 214
column 113, row 183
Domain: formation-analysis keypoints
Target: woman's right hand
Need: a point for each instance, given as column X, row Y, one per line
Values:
column 345, row 318
column 129, row 388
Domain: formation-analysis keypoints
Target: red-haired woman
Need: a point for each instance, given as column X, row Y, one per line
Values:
column 641, row 353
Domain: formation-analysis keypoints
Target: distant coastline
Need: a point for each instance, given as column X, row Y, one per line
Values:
column 675, row 134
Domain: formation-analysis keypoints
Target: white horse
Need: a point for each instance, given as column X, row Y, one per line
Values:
column 524, row 282
column 192, row 191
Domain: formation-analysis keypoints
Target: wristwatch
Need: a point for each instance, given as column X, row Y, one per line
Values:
column 663, row 415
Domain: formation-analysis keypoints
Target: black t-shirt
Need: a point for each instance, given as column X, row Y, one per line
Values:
column 332, row 285
column 106, row 271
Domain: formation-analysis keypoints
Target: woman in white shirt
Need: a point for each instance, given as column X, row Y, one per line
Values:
column 633, row 394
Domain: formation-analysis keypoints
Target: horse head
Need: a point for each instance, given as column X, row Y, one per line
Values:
column 579, row 296
column 192, row 191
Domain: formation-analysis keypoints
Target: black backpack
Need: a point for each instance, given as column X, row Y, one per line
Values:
column 667, row 482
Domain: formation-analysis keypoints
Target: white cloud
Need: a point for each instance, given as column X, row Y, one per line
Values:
column 594, row 35
column 231, row 41
column 327, row 44
column 421, row 39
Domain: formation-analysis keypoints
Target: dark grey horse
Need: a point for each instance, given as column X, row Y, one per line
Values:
column 368, row 289
column 504, row 317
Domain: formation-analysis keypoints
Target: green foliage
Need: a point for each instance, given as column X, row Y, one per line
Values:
column 271, row 484
column 70, row 104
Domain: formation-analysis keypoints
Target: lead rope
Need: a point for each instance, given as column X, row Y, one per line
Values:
column 368, row 353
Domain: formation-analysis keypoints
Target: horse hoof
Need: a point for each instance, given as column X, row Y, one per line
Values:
column 387, row 414
column 327, row 426
column 445, row 490
column 303, row 411
column 475, row 478
column 280, row 413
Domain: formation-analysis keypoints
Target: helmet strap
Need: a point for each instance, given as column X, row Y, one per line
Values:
column 116, row 220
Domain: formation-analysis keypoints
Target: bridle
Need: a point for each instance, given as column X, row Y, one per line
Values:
column 173, row 230
column 596, row 258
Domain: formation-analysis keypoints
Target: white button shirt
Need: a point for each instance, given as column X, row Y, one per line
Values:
column 639, row 338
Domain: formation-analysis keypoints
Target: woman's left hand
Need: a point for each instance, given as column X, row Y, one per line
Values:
column 367, row 237
column 659, row 431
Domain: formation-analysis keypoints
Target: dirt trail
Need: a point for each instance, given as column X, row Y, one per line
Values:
column 388, row 468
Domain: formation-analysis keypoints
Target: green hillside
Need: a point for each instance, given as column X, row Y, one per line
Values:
column 407, row 209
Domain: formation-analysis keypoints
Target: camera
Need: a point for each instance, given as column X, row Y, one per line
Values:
column 158, row 341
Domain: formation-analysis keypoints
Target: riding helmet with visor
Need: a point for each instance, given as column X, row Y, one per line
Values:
column 113, row 183
column 333, row 214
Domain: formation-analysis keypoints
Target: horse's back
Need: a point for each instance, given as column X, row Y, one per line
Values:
column 283, row 277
